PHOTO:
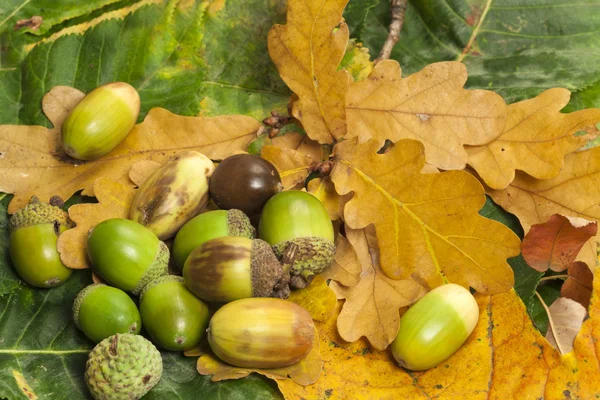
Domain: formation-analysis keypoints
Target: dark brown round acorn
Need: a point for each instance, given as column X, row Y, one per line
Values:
column 245, row 182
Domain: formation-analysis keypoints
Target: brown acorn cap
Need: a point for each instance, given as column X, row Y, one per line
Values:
column 158, row 268
column 239, row 224
column 36, row 213
column 266, row 269
column 158, row 281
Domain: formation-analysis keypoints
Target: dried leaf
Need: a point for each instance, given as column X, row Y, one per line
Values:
column 556, row 243
column 32, row 161
column 114, row 200
column 318, row 299
column 565, row 319
column 324, row 190
column 579, row 284
column 305, row 372
column 575, row 192
column 428, row 226
column 430, row 106
column 301, row 143
column 293, row 167
column 307, row 52
column 346, row 267
column 536, row 138
column 372, row 307
column 141, row 171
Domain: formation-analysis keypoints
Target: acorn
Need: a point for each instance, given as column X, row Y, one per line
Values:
column 244, row 182
column 101, row 311
column 298, row 227
column 210, row 225
column 435, row 327
column 174, row 318
column 100, row 121
column 173, row 194
column 261, row 333
column 34, row 231
column 232, row 267
column 126, row 254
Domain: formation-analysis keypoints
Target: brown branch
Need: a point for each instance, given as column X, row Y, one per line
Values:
column 398, row 10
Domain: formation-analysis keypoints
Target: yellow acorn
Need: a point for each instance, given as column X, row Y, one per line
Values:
column 100, row 121
column 435, row 327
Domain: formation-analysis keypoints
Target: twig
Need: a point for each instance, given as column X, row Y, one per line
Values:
column 548, row 278
column 554, row 333
column 398, row 10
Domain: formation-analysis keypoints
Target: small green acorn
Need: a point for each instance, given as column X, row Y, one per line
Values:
column 34, row 231
column 298, row 227
column 174, row 318
column 435, row 327
column 100, row 121
column 209, row 225
column 101, row 311
column 126, row 254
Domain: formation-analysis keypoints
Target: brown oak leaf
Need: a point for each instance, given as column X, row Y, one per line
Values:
column 579, row 284
column 345, row 268
column 293, row 167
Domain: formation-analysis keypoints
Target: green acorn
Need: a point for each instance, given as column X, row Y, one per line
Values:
column 101, row 311
column 127, row 254
column 34, row 231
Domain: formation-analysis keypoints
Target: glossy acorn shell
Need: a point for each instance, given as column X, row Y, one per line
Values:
column 261, row 333
column 121, row 251
column 244, row 182
column 435, row 327
column 106, row 311
column 174, row 318
column 219, row 270
column 100, row 121
column 35, row 257
column 292, row 214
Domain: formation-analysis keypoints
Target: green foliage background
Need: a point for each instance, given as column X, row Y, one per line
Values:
column 210, row 58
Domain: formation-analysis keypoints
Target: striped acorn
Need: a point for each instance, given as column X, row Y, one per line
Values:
column 209, row 225
column 126, row 254
column 298, row 227
column 173, row 194
column 261, row 333
column 435, row 327
column 34, row 231
column 100, row 121
column 231, row 268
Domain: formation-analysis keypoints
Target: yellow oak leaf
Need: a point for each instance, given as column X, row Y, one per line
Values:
column 141, row 171
column 505, row 357
column 575, row 193
column 324, row 190
column 307, row 52
column 304, row 372
column 318, row 299
column 32, row 161
column 372, row 307
column 430, row 106
column 345, row 268
column 428, row 226
column 301, row 143
column 114, row 201
column 536, row 138
column 293, row 167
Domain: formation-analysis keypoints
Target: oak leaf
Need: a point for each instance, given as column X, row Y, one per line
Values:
column 32, row 161
column 318, row 299
column 556, row 243
column 372, row 306
column 141, row 171
column 304, row 372
column 114, row 201
column 307, row 52
column 578, row 285
column 345, row 268
column 293, row 167
column 430, row 106
column 428, row 226
column 324, row 190
column 575, row 192
column 565, row 317
column 301, row 143
column 536, row 138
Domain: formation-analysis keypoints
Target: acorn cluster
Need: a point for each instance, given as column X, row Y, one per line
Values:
column 221, row 261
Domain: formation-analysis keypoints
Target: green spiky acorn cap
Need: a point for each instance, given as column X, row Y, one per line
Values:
column 158, row 268
column 36, row 213
column 79, row 299
column 158, row 281
column 123, row 367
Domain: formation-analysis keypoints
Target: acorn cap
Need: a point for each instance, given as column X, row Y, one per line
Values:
column 158, row 268
column 36, row 213
column 266, row 269
column 158, row 281
column 79, row 299
column 239, row 224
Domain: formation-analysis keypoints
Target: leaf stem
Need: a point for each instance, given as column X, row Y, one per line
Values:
column 551, row 322
column 398, row 8
column 551, row 277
